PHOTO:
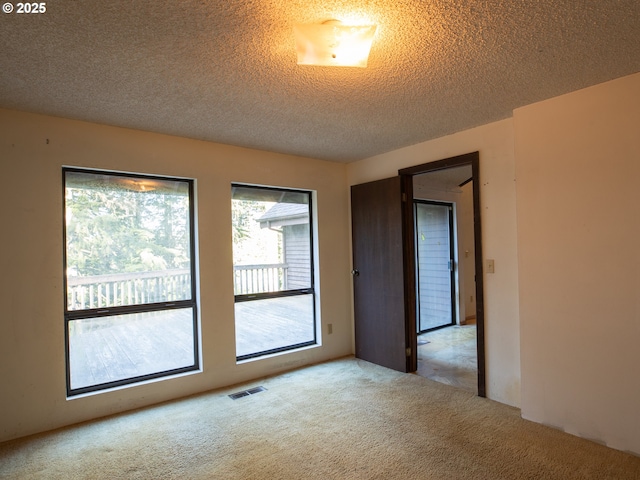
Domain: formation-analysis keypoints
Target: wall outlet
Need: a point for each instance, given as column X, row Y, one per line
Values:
column 329, row 328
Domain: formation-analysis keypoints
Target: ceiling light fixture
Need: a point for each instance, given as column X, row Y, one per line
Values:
column 332, row 44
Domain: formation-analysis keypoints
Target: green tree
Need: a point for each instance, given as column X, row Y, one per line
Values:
column 116, row 230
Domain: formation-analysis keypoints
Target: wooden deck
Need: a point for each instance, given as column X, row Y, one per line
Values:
column 263, row 325
column 125, row 346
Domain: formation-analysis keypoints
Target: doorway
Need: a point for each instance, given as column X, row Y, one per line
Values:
column 446, row 180
column 446, row 347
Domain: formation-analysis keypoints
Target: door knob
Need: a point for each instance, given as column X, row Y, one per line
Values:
column 355, row 273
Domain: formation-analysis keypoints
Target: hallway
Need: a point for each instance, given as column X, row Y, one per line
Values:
column 449, row 355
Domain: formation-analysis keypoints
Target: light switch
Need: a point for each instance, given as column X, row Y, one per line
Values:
column 490, row 266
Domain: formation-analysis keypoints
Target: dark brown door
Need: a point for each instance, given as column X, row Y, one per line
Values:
column 378, row 273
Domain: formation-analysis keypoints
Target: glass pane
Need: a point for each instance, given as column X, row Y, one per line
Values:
column 434, row 275
column 271, row 240
column 127, row 240
column 269, row 324
column 109, row 349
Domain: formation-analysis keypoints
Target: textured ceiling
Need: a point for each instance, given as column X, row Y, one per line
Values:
column 226, row 71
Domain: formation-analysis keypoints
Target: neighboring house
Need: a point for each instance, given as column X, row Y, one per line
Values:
column 292, row 221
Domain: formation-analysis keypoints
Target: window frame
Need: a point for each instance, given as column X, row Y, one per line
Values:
column 73, row 315
column 311, row 290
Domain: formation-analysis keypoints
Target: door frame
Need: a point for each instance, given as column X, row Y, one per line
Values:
column 406, row 178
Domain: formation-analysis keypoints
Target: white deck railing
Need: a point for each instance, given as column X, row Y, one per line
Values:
column 249, row 279
column 104, row 291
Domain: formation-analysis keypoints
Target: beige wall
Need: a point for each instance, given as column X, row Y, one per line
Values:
column 467, row 257
column 497, row 199
column 32, row 365
column 577, row 166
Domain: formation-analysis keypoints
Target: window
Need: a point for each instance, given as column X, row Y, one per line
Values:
column 130, row 309
column 273, row 270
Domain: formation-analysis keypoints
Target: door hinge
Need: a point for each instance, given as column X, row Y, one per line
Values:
column 404, row 197
column 408, row 351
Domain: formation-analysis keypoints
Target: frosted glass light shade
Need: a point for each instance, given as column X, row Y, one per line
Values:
column 333, row 44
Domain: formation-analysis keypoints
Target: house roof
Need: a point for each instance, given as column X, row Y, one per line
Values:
column 284, row 214
column 226, row 71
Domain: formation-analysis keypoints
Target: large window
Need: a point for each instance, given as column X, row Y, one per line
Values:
column 273, row 270
column 130, row 310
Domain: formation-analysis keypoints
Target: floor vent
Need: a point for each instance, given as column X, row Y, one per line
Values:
column 246, row 393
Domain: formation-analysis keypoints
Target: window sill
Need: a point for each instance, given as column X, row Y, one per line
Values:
column 279, row 354
column 133, row 385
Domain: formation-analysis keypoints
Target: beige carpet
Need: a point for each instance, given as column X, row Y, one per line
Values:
column 346, row 419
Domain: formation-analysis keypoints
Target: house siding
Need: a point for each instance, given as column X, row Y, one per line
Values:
column 297, row 256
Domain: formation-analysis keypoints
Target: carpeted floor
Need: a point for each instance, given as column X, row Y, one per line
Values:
column 346, row 419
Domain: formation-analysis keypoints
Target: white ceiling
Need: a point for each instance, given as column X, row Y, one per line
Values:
column 225, row 71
